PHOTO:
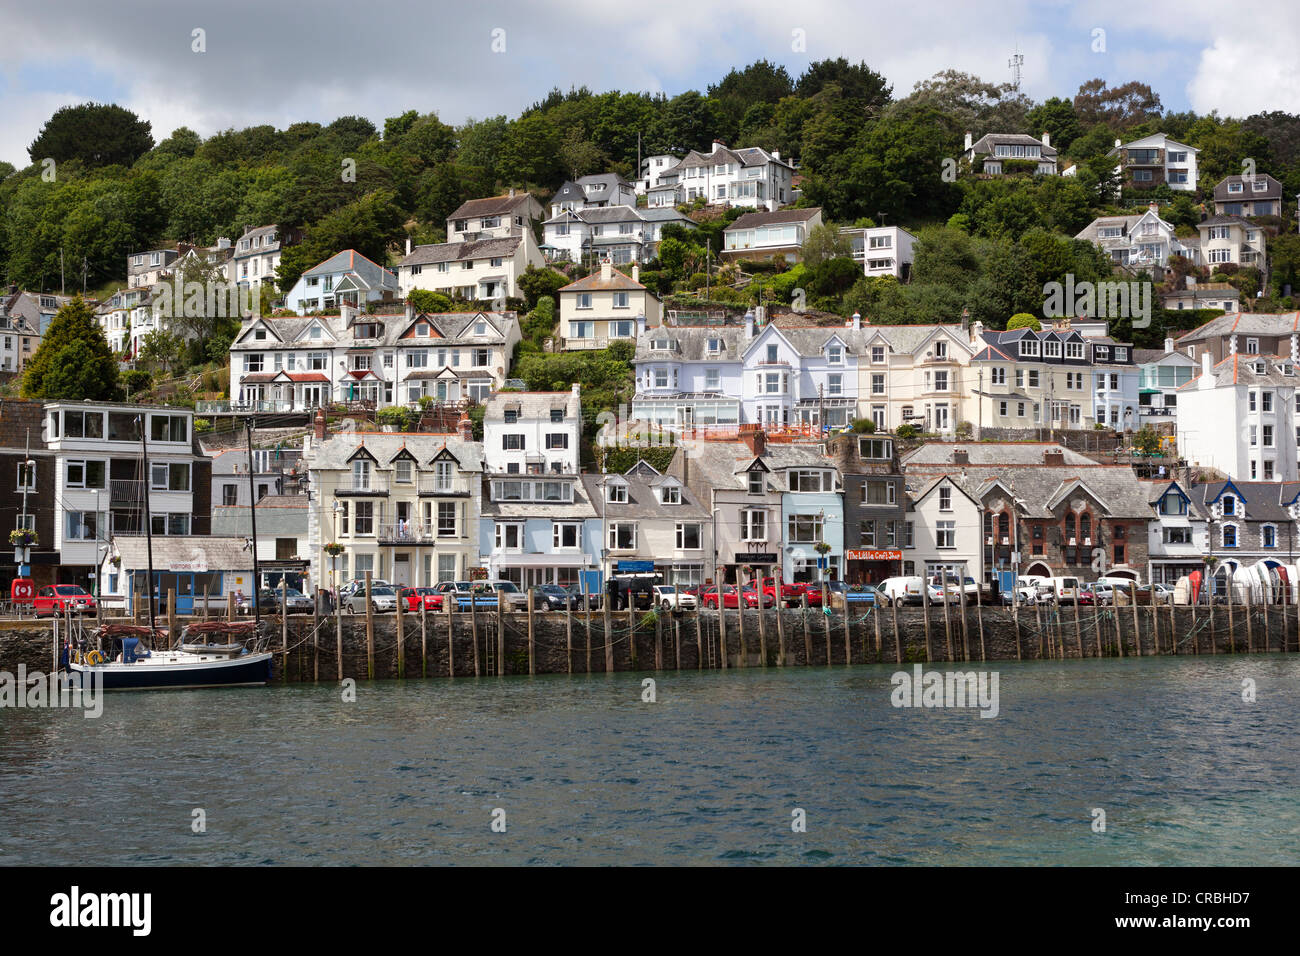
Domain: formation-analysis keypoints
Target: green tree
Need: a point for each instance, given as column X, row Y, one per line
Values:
column 825, row 242
column 73, row 360
column 579, row 155
column 535, row 283
column 1146, row 440
column 426, row 300
column 162, row 350
column 1056, row 116
column 1023, row 320
column 97, row 134
column 530, row 152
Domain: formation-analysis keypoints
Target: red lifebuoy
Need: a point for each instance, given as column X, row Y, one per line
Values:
column 21, row 591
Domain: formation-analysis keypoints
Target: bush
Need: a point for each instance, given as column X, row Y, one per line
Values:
column 137, row 380
column 864, row 426
column 1023, row 320
column 905, row 432
column 401, row 418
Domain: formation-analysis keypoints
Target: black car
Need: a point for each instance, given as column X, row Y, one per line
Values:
column 552, row 597
column 638, row 592
column 592, row 598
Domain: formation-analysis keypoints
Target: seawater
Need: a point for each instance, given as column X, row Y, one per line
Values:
column 712, row 772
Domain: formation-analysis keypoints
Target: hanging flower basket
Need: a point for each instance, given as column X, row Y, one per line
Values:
column 23, row 538
column 334, row 549
column 1210, row 559
column 821, row 547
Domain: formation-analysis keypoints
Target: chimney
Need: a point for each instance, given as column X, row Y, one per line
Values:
column 857, row 321
column 318, row 425
column 465, row 428
column 1207, row 367
column 776, row 154
column 1154, row 207
column 606, row 270
column 960, row 456
column 1191, row 283
column 1054, row 456
column 1047, row 139
column 749, row 324
column 636, row 272
column 345, row 314
column 410, row 311
column 968, row 145
column 976, row 331
column 717, row 144
column 512, row 192
column 577, row 390
column 754, row 438
column 1119, row 143
column 1169, row 344
column 965, row 319
column 408, row 245
column 640, row 323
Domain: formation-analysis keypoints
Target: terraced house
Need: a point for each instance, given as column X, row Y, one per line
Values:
column 479, row 270
column 727, row 177
column 1061, row 512
column 376, row 359
column 917, row 375
column 404, row 507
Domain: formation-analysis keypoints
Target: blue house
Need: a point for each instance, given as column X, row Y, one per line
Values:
column 345, row 278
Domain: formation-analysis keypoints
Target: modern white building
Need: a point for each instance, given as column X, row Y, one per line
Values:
column 770, row 234
column 1240, row 416
column 883, row 250
column 1147, row 162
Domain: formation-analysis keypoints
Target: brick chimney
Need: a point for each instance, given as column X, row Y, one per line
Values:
column 754, row 438
column 465, row 428
column 606, row 270
column 318, row 425
column 960, row 456
column 1054, row 457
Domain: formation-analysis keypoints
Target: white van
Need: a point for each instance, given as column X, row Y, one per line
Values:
column 1064, row 590
column 905, row 589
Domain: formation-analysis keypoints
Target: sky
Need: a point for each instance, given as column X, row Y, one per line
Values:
column 270, row 61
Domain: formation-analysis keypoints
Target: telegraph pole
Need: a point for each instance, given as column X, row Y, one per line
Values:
column 148, row 517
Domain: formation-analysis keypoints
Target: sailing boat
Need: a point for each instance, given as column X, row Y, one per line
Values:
column 195, row 663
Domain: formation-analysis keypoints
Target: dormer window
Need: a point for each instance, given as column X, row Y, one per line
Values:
column 259, row 334
column 662, row 345
column 1173, row 503
column 756, row 483
column 422, row 329
column 480, row 328
column 511, row 416
column 1229, row 504
column 715, row 345
column 557, row 414
column 315, row 332
column 835, row 355
column 1027, row 347
column 1234, row 187
column 1259, row 185
column 616, row 493
column 941, row 350
column 672, row 495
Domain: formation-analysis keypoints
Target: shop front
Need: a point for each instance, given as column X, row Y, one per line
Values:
column 872, row 567
column 751, row 564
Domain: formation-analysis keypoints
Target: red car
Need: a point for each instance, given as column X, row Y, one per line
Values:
column 814, row 592
column 730, row 597
column 56, row 598
column 790, row 593
column 431, row 598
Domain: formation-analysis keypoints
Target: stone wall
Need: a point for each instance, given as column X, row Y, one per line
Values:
column 691, row 640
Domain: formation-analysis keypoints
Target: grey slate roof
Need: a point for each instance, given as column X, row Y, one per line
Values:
column 990, row 453
column 1040, row 487
column 1221, row 194
column 692, row 343
column 531, row 405
column 503, row 248
column 642, row 501
column 336, row 453
column 988, row 141
column 215, row 552
column 1244, row 323
column 751, row 219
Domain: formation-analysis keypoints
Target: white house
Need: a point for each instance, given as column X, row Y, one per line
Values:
column 652, row 171
column 999, row 153
column 256, row 255
column 883, row 250
column 1139, row 241
column 1233, row 239
column 1155, row 159
column 481, row 270
column 1240, row 416
column 770, row 234
column 731, row 177
column 493, row 218
column 345, row 278
column 529, row 433
column 620, row 233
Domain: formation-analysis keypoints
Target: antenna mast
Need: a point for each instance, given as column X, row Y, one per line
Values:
column 1015, row 63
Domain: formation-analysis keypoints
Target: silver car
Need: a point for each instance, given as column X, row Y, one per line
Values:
column 383, row 598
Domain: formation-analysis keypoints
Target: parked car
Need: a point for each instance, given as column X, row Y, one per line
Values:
column 1164, row 593
column 789, row 592
column 430, row 598
column 1063, row 590
column 753, row 596
column 730, row 597
column 357, row 583
column 552, row 597
column 622, row 591
column 268, row 600
column 906, row 589
column 383, row 598
column 591, row 598
column 56, row 598
column 865, row 594
column 516, row 600
column 1026, row 592
column 670, row 598
column 1086, row 597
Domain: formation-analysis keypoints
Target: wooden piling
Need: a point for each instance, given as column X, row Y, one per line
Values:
column 532, row 650
column 699, row 633
column 501, row 634
column 1078, row 631
column 925, row 615
column 631, row 630
column 338, row 633
column 965, row 625
column 780, row 623
column 448, row 602
column 315, row 633
column 1038, row 624
column 284, row 626
column 740, row 614
column 1137, row 628
column 826, row 622
column 370, row 631
column 605, row 603
column 1096, row 623
column 473, row 628
column 568, row 633
column 230, row 606
column 424, row 637
column 807, row 637
column 1250, row 622
column 401, row 634
column 848, row 652
column 659, row 641
column 173, row 630
column 947, row 623
column 762, row 617
column 205, row 602
column 875, row 620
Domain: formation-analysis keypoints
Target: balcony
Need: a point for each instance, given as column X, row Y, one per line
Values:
column 239, row 408
column 374, row 488
column 435, row 487
column 125, row 492
column 407, row 533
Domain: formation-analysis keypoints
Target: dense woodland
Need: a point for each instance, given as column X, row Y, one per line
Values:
column 100, row 186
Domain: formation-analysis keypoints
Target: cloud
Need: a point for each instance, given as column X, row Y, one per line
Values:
column 280, row 63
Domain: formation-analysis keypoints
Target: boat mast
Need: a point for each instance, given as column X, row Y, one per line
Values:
column 148, row 518
column 252, row 513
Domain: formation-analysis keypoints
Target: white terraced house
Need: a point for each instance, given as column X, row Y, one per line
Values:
column 497, row 217
column 482, row 270
column 728, row 177
column 375, row 359
column 404, row 507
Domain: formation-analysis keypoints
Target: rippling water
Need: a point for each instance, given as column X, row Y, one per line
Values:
column 586, row 772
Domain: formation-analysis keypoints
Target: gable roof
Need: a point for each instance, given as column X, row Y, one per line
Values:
column 751, row 219
column 492, row 206
column 503, row 248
